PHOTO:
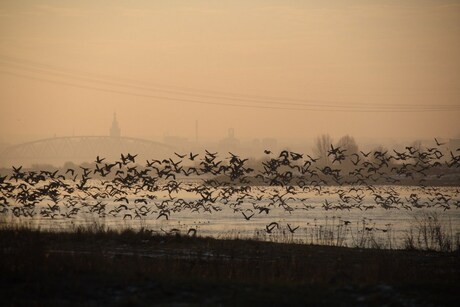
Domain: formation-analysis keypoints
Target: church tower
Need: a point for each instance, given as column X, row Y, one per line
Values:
column 115, row 129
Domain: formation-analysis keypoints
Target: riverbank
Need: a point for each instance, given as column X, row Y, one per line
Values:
column 139, row 268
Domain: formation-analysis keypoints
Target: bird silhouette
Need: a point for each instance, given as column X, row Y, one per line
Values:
column 99, row 160
column 192, row 156
column 438, row 143
column 292, row 230
column 247, row 217
column 179, row 155
column 269, row 228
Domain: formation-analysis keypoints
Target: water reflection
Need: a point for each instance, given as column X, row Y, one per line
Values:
column 359, row 217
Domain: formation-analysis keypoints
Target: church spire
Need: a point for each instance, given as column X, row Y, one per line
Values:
column 115, row 129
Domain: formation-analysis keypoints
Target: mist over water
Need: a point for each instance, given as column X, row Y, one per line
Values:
column 377, row 227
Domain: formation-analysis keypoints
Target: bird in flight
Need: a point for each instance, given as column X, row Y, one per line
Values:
column 437, row 143
column 247, row 217
column 192, row 156
column 99, row 160
column 269, row 228
column 179, row 155
column 292, row 230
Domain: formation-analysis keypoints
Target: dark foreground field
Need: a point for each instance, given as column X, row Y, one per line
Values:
column 128, row 268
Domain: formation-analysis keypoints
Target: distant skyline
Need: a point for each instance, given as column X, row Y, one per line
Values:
column 279, row 69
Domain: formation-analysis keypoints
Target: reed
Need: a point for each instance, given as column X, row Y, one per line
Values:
column 98, row 264
column 430, row 231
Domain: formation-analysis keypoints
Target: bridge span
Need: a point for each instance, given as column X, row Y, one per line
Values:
column 77, row 149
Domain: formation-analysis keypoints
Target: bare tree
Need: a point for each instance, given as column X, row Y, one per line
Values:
column 348, row 142
column 322, row 146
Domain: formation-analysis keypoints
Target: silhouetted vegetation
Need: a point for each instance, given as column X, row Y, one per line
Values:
column 94, row 266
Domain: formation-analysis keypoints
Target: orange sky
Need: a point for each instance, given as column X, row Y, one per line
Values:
column 293, row 69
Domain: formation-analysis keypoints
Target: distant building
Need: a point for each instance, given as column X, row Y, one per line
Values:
column 230, row 142
column 115, row 129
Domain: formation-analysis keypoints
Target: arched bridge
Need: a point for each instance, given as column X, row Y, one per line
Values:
column 78, row 149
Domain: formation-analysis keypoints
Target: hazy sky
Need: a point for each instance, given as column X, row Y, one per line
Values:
column 284, row 69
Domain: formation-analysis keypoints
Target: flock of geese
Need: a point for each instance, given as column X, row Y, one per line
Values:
column 204, row 183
